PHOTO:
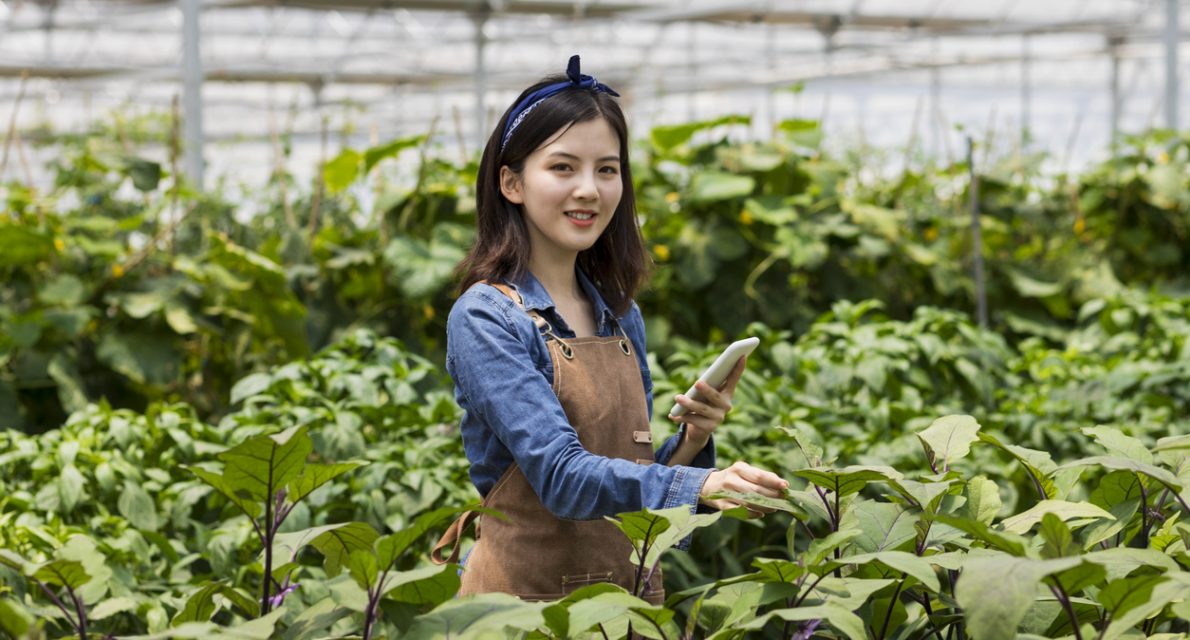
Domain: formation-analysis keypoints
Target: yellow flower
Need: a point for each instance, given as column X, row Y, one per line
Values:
column 931, row 234
column 1080, row 225
column 1163, row 158
column 59, row 245
column 428, row 312
column 661, row 251
column 671, row 197
column 117, row 270
column 745, row 217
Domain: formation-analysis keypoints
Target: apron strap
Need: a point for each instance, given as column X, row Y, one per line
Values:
column 542, row 324
column 453, row 538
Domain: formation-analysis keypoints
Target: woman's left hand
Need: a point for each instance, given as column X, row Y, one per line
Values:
column 702, row 418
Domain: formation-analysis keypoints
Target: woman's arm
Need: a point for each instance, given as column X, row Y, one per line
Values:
column 489, row 359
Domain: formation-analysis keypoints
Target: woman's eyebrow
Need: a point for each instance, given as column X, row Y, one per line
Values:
column 571, row 156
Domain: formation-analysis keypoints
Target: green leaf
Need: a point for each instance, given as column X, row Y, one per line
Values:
column 241, row 498
column 145, row 174
column 1031, row 287
column 421, row 268
column 22, row 245
column 600, row 607
column 288, row 545
column 1076, row 579
column 486, row 615
column 849, row 480
column 842, row 620
column 389, row 150
column 1118, row 444
column 755, row 499
column 806, row 133
column 1022, row 522
column 340, row 172
column 14, row 619
column 316, row 475
column 983, row 500
column 361, row 564
column 1125, row 464
column 1122, row 561
column 71, row 488
column 249, row 386
column 949, row 438
column 653, row 532
column 777, row 570
column 136, row 505
column 1059, row 541
column 908, row 563
column 1038, row 464
column 62, row 573
column 200, row 606
column 179, row 318
column 1120, row 596
column 1004, row 541
column 145, row 357
column 424, row 586
column 389, row 548
column 883, row 525
column 65, row 290
column 667, row 137
column 820, row 548
column 714, row 186
column 995, row 592
column 262, row 465
column 336, row 544
column 1132, row 610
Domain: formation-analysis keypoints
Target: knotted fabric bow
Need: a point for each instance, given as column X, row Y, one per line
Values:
column 576, row 80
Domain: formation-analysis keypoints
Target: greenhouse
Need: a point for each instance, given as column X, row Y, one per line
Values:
column 863, row 319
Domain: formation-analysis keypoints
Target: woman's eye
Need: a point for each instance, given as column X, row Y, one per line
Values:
column 610, row 170
column 560, row 167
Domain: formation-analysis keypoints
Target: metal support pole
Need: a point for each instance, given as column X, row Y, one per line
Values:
column 192, row 103
column 936, row 129
column 981, row 296
column 1026, row 90
column 1172, row 28
column 480, row 19
column 1113, row 44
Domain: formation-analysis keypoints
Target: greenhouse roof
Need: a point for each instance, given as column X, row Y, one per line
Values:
column 878, row 71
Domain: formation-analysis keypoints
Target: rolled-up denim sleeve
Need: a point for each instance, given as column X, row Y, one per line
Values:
column 634, row 326
column 493, row 369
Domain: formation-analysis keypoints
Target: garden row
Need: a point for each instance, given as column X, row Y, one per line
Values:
column 121, row 283
column 1067, row 481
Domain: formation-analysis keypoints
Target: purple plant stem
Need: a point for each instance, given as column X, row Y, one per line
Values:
column 53, row 598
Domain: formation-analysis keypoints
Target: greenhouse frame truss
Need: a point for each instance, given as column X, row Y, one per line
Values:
column 408, row 63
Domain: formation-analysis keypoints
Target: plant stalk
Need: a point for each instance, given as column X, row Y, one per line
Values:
column 1063, row 598
column 891, row 605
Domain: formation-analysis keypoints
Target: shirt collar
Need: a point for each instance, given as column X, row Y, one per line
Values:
column 536, row 298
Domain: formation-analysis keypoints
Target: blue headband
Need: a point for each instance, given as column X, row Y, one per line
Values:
column 577, row 81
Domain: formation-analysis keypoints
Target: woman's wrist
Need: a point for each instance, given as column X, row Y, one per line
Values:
column 696, row 436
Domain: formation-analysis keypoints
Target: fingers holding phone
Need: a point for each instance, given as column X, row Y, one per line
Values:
column 706, row 410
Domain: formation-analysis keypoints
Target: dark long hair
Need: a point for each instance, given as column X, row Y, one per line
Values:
column 617, row 263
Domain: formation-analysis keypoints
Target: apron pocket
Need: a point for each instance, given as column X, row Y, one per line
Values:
column 572, row 583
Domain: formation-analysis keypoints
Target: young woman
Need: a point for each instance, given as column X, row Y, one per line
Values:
column 547, row 351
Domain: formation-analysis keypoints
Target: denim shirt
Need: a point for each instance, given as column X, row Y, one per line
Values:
column 502, row 372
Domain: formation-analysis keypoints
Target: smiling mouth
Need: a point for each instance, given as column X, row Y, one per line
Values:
column 578, row 215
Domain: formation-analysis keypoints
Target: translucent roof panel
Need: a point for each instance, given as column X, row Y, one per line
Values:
column 881, row 72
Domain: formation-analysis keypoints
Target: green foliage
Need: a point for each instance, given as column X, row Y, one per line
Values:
column 226, row 447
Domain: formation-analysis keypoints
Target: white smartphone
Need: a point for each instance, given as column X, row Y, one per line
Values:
column 719, row 370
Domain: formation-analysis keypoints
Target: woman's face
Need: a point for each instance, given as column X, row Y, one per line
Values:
column 569, row 189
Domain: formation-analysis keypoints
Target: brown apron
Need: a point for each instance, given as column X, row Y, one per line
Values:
column 535, row 555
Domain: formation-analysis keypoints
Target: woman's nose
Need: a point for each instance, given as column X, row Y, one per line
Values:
column 586, row 189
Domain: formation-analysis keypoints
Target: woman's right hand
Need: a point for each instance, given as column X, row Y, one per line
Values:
column 741, row 477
